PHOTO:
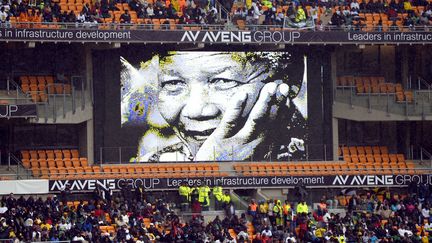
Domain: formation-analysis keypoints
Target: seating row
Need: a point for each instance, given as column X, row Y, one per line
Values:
column 128, row 171
column 363, row 150
column 50, row 154
column 310, row 169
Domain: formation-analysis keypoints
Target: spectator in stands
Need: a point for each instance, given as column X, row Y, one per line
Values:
column 81, row 17
column 211, row 17
column 337, row 19
column 71, row 18
column 354, row 5
column 47, row 15
column 424, row 19
column 255, row 12
column 407, row 6
column 86, row 9
column 63, row 17
column 252, row 208
column 237, row 14
column 346, row 13
column 149, row 11
column 4, row 17
column 56, row 9
column 171, row 12
column 125, row 18
column 313, row 12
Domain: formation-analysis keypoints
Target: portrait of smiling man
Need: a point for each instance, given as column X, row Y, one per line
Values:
column 205, row 106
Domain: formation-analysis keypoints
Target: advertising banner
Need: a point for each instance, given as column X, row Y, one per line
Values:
column 345, row 181
column 24, row 187
column 207, row 36
column 18, row 111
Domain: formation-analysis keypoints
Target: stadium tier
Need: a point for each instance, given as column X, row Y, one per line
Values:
column 215, row 121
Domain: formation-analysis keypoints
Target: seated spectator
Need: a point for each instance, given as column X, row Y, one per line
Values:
column 63, row 17
column 237, row 14
column 280, row 18
column 407, row 6
column 71, row 18
column 355, row 6
column 313, row 12
column 4, row 17
column 125, row 17
column 211, row 17
column 337, row 19
column 81, row 17
column 256, row 12
column 150, row 12
column 346, row 13
column 56, row 9
column 424, row 19
column 112, row 6
column 47, row 15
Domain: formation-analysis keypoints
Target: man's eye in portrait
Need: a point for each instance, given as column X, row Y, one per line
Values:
column 223, row 83
column 174, row 86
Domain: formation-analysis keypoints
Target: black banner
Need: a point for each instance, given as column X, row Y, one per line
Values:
column 206, row 36
column 56, row 186
column 18, row 111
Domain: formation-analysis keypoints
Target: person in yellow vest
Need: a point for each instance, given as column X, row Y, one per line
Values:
column 286, row 212
column 226, row 199
column 263, row 208
column 341, row 238
column 218, row 193
column 300, row 15
column 277, row 213
column 302, row 208
column 203, row 196
column 194, row 194
column 299, row 208
column 184, row 192
column 305, row 207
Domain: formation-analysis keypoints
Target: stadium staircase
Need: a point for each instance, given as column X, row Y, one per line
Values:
column 55, row 102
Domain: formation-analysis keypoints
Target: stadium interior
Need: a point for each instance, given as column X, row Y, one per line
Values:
column 365, row 141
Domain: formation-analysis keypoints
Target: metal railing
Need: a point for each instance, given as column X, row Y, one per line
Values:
column 212, row 27
column 222, row 10
column 419, row 106
column 19, row 171
column 321, row 152
column 58, row 97
column 254, row 169
column 19, row 95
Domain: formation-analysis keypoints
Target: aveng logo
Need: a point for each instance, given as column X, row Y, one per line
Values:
column 241, row 36
column 363, row 180
column 217, row 36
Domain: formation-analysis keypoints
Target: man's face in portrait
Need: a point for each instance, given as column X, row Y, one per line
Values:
column 195, row 89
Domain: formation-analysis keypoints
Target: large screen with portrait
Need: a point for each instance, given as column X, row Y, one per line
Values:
column 215, row 106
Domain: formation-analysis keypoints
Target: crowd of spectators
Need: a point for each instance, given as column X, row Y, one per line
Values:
column 370, row 217
column 193, row 12
column 322, row 12
column 337, row 13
